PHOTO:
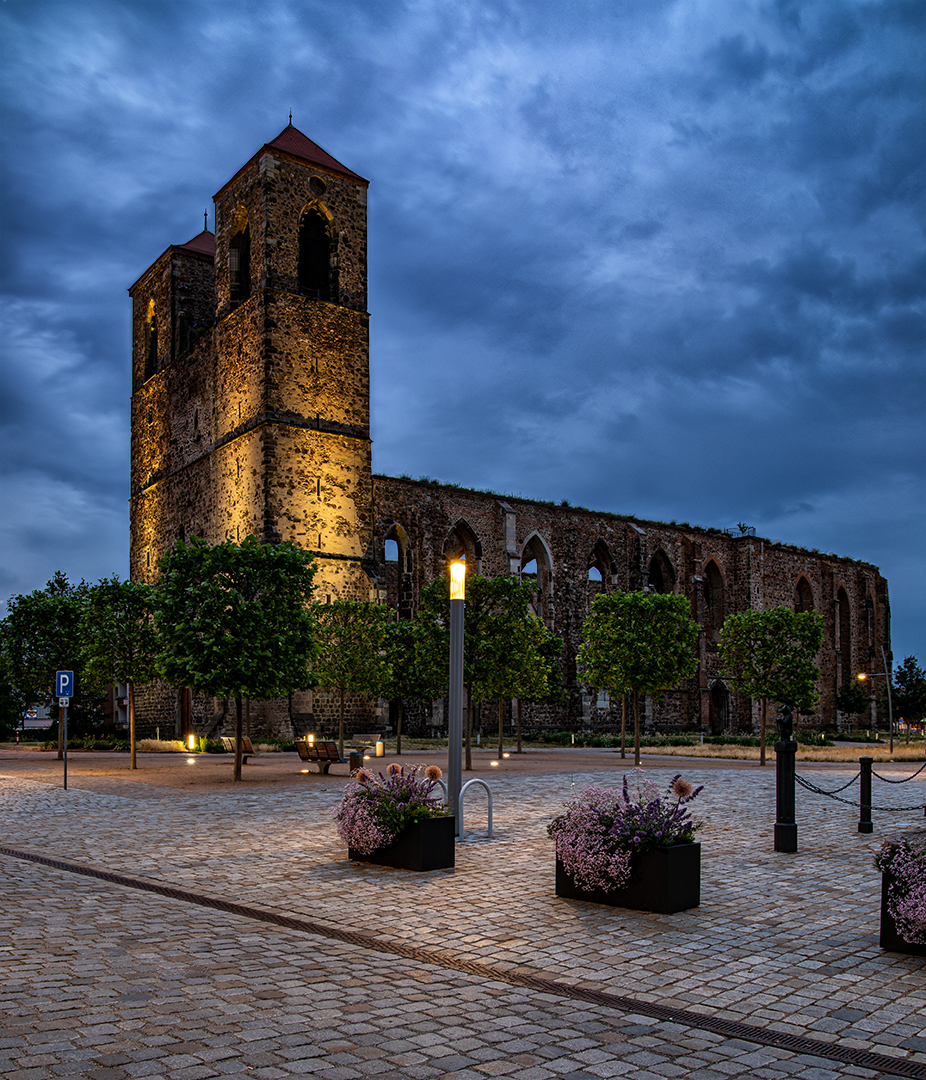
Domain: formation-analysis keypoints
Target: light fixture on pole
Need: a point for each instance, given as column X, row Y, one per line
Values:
column 455, row 718
column 863, row 675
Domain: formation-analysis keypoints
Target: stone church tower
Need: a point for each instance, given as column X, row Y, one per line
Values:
column 250, row 372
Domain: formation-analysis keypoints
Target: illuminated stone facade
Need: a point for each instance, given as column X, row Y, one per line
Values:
column 250, row 415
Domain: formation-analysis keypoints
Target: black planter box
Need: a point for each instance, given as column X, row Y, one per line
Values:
column 427, row 844
column 665, row 880
column 890, row 939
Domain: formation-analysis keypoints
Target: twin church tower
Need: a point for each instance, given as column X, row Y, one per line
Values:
column 250, row 372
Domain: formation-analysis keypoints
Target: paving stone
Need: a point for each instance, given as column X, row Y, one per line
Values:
column 197, row 993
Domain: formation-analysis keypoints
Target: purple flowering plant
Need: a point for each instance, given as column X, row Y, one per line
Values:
column 603, row 828
column 905, row 863
column 378, row 807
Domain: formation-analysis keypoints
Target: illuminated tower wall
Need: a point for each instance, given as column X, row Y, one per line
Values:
column 250, row 406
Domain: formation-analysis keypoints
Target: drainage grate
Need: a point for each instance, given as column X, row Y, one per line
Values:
column 731, row 1029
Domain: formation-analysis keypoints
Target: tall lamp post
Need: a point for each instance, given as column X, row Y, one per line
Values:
column 455, row 719
column 863, row 675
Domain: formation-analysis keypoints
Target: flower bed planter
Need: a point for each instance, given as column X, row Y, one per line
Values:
column 427, row 844
column 664, row 880
column 890, row 939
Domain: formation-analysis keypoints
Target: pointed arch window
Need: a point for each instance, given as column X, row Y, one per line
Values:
column 314, row 255
column 239, row 258
column 803, row 596
column 844, row 631
column 714, row 601
column 661, row 574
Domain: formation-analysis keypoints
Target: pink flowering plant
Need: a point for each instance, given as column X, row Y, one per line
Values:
column 602, row 829
column 905, row 864
column 378, row 807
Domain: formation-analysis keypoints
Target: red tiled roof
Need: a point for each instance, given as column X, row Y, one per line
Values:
column 292, row 141
column 203, row 243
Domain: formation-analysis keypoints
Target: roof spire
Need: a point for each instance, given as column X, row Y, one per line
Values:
column 290, row 117
column 205, row 221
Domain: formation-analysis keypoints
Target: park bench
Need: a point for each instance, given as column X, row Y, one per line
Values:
column 325, row 754
column 246, row 749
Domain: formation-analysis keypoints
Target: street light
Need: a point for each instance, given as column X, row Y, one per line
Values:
column 455, row 719
column 863, row 675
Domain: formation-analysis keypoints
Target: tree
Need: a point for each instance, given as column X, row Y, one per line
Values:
column 408, row 677
column 120, row 644
column 351, row 637
column 501, row 651
column 550, row 649
column 233, row 620
column 853, row 699
column 638, row 643
column 909, row 693
column 41, row 635
column 769, row 655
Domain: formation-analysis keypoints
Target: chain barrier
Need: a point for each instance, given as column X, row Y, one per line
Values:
column 887, row 780
column 819, row 791
column 810, row 786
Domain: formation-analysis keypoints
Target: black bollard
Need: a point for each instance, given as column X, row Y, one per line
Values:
column 785, row 825
column 864, row 795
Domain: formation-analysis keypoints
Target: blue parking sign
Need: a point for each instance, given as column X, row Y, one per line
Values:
column 64, row 684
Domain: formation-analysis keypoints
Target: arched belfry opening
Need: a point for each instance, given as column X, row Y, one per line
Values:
column 661, row 573
column 151, row 341
column 239, row 257
column 315, row 253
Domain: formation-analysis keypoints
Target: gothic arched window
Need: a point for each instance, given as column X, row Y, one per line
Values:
column 661, row 574
column 714, row 600
column 803, row 596
column 314, row 256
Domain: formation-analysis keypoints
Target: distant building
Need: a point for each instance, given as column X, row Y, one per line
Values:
column 250, row 414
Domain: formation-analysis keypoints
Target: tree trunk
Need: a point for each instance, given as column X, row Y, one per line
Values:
column 636, row 727
column 623, row 725
column 520, row 751
column 238, row 737
column 468, row 765
column 501, row 732
column 762, row 731
column 133, row 764
column 398, row 727
column 341, row 726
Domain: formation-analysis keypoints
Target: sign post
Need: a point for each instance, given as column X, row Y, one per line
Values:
column 64, row 689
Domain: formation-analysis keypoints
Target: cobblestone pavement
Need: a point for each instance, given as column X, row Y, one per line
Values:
column 100, row 980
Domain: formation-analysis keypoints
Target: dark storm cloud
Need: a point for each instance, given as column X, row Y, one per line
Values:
column 660, row 258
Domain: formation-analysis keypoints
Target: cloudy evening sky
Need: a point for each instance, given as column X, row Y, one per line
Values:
column 660, row 257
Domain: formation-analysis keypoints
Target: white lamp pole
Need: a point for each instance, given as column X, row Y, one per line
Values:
column 455, row 719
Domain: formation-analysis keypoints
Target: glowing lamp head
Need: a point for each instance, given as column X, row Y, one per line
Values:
column 458, row 580
column 191, row 742
column 862, row 676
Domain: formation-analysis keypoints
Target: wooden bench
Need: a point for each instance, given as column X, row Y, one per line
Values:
column 325, row 754
column 246, row 749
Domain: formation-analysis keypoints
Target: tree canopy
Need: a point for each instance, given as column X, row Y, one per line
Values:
column 770, row 655
column 910, row 691
column 638, row 643
column 234, row 620
column 351, row 638
column 119, row 640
